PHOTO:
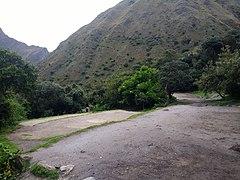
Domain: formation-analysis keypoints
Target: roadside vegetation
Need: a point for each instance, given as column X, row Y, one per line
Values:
column 226, row 101
column 214, row 67
column 42, row 172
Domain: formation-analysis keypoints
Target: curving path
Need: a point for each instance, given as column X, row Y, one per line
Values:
column 180, row 142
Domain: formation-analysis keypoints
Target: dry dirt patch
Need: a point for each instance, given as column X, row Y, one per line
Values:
column 29, row 134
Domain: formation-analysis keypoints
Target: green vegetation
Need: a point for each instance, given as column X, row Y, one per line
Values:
column 142, row 89
column 175, row 77
column 42, row 172
column 192, row 63
column 63, row 100
column 22, row 96
column 5, row 141
column 17, row 83
column 224, row 76
column 226, row 101
column 157, row 32
column 8, row 162
column 200, row 94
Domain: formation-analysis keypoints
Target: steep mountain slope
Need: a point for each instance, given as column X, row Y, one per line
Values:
column 137, row 32
column 34, row 54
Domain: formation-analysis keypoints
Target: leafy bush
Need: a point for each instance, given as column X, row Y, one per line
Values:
column 52, row 99
column 16, row 74
column 142, row 89
column 175, row 76
column 99, row 108
column 224, row 77
column 11, row 111
column 8, row 165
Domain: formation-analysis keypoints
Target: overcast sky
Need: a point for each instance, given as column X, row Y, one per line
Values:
column 48, row 22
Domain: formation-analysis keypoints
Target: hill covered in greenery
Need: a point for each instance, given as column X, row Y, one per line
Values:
column 136, row 33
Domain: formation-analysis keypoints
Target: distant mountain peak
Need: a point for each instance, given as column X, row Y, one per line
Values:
column 33, row 54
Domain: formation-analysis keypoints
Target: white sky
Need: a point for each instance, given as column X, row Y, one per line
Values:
column 48, row 22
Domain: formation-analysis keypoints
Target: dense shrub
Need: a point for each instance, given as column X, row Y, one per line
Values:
column 224, row 77
column 8, row 164
column 18, row 80
column 11, row 111
column 142, row 89
column 52, row 99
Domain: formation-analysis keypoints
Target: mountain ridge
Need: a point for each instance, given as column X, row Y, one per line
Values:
column 33, row 54
column 137, row 32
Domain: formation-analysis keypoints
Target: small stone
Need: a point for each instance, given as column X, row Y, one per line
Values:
column 65, row 170
column 26, row 157
column 165, row 109
column 150, row 144
column 89, row 178
column 46, row 166
column 82, row 151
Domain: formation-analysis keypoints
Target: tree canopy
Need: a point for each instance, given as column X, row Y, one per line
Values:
column 142, row 88
column 16, row 74
column 175, row 76
column 224, row 77
column 17, row 81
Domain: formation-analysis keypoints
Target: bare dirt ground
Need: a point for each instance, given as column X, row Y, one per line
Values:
column 185, row 142
column 31, row 131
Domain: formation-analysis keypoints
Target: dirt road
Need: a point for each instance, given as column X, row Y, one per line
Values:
column 31, row 132
column 181, row 142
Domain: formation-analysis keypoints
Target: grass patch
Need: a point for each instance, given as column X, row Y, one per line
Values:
column 200, row 94
column 6, row 142
column 224, row 102
column 180, row 103
column 42, row 172
column 136, row 115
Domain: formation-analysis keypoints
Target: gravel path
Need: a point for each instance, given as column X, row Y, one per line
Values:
column 180, row 142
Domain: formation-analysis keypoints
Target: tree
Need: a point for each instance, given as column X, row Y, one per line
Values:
column 211, row 50
column 112, row 97
column 175, row 76
column 224, row 77
column 77, row 98
column 16, row 74
column 168, row 56
column 142, row 89
column 52, row 99
column 17, row 82
column 49, row 99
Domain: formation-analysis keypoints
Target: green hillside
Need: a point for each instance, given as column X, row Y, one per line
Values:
column 137, row 32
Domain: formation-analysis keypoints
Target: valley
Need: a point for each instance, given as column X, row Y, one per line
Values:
column 148, row 90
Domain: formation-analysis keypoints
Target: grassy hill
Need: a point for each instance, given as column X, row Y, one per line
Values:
column 33, row 54
column 137, row 32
